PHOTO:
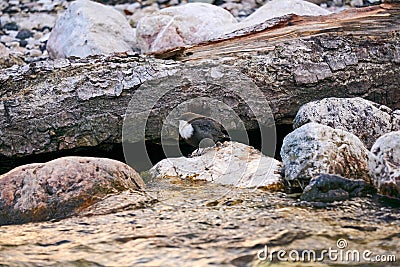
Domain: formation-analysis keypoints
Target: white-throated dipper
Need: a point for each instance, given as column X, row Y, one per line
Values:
column 200, row 131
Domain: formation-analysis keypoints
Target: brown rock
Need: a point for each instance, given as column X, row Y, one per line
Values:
column 60, row 188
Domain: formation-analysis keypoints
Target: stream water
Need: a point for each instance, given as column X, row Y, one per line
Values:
column 197, row 224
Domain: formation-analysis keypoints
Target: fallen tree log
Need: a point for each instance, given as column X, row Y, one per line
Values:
column 64, row 104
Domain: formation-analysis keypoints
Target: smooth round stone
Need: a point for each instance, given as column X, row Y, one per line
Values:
column 35, row 53
column 24, row 34
column 6, row 39
column 10, row 26
column 23, row 43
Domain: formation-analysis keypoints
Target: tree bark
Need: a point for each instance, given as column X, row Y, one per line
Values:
column 63, row 104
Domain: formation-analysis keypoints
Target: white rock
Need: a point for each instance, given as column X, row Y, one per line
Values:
column 37, row 35
column 278, row 8
column 45, row 37
column 13, row 44
column 385, row 164
column 315, row 149
column 12, row 34
column 4, row 53
column 357, row 3
column 13, row 2
column 32, row 43
column 6, row 39
column 3, row 5
column 35, row 53
column 89, row 28
column 201, row 1
column 232, row 163
column 36, row 20
column 233, row 8
column 365, row 119
column 142, row 12
column 182, row 25
column 131, row 8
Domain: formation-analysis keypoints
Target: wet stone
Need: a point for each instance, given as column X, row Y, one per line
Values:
column 24, row 34
column 23, row 43
column 330, row 188
column 11, row 26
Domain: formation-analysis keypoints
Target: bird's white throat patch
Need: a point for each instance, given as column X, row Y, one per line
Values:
column 185, row 129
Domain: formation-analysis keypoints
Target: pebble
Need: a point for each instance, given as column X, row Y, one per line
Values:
column 37, row 35
column 14, row 2
column 42, row 47
column 13, row 9
column 139, row 13
column 35, row 53
column 357, row 3
column 128, row 9
column 338, row 2
column 6, row 39
column 45, row 37
column 10, row 26
column 23, row 42
column 190, row 1
column 24, row 34
column 12, row 34
column 4, row 18
column 3, row 5
column 12, row 44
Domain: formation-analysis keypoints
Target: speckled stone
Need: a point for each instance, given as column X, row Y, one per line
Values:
column 385, row 164
column 232, row 163
column 314, row 149
column 365, row 119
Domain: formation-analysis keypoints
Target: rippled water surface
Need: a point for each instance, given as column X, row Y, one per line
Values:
column 199, row 225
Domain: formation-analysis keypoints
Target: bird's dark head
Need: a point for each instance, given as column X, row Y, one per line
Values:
column 195, row 128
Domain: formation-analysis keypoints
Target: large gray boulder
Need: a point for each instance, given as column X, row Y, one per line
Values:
column 89, row 28
column 231, row 163
column 365, row 119
column 181, row 26
column 385, row 164
column 315, row 149
column 59, row 188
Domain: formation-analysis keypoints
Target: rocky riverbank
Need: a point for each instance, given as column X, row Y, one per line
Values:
column 329, row 164
column 84, row 81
